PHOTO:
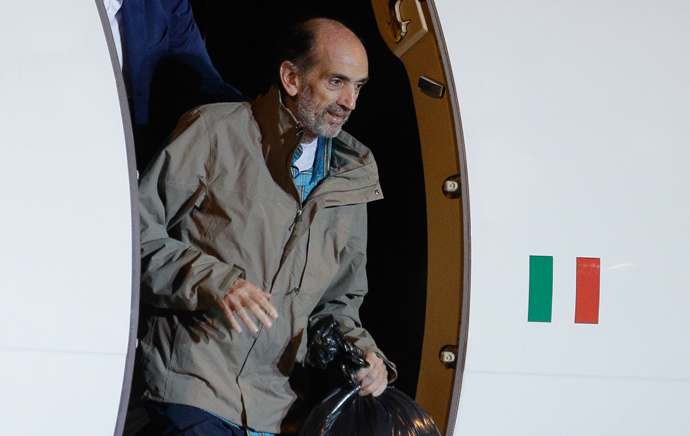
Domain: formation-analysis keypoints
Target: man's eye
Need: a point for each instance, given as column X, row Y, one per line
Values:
column 336, row 82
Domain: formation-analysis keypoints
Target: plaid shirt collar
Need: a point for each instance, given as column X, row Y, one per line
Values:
column 307, row 180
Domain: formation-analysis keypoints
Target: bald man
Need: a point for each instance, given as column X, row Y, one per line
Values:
column 253, row 227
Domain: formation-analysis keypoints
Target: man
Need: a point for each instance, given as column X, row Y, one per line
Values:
column 245, row 243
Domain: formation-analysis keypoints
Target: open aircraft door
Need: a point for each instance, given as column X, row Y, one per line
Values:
column 411, row 30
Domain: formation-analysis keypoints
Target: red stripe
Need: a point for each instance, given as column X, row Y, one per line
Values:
column 587, row 300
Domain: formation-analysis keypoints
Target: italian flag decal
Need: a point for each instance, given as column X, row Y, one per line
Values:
column 541, row 289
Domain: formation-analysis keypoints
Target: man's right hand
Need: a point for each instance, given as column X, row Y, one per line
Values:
column 243, row 297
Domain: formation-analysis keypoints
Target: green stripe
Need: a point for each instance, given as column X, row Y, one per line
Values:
column 540, row 288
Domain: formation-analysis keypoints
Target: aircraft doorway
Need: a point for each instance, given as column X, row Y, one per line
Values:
column 416, row 252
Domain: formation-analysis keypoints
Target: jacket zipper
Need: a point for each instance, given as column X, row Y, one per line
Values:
column 298, row 217
column 300, row 133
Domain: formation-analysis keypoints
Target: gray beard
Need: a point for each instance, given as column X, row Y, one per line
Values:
column 316, row 122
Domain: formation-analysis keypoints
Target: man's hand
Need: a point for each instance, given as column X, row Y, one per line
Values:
column 243, row 297
column 374, row 379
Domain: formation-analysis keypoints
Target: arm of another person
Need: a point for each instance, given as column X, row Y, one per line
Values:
column 343, row 300
column 185, row 39
column 175, row 274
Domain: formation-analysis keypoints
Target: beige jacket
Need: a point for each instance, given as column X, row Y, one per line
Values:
column 219, row 202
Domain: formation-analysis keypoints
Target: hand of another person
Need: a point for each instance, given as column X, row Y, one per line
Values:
column 242, row 297
column 374, row 379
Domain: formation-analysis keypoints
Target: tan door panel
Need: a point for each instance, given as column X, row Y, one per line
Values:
column 412, row 32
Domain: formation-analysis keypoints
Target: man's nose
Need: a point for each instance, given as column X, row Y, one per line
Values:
column 348, row 97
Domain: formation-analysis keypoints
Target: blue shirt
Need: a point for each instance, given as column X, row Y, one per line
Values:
column 307, row 180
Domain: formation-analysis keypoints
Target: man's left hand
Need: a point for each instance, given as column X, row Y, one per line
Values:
column 374, row 379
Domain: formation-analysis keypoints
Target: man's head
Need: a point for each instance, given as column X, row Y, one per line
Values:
column 323, row 78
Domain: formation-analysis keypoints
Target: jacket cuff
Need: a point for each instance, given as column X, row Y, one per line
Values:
column 390, row 366
column 227, row 282
column 392, row 369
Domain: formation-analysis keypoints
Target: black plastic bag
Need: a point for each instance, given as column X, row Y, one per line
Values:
column 346, row 413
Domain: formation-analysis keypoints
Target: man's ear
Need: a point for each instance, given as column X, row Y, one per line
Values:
column 290, row 78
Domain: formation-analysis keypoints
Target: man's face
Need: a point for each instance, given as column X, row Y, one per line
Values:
column 330, row 88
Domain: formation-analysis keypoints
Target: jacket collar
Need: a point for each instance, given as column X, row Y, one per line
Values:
column 352, row 164
column 280, row 134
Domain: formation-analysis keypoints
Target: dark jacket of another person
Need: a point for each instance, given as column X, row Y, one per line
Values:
column 167, row 69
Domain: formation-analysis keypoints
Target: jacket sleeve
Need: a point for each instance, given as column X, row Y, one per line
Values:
column 175, row 274
column 347, row 290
